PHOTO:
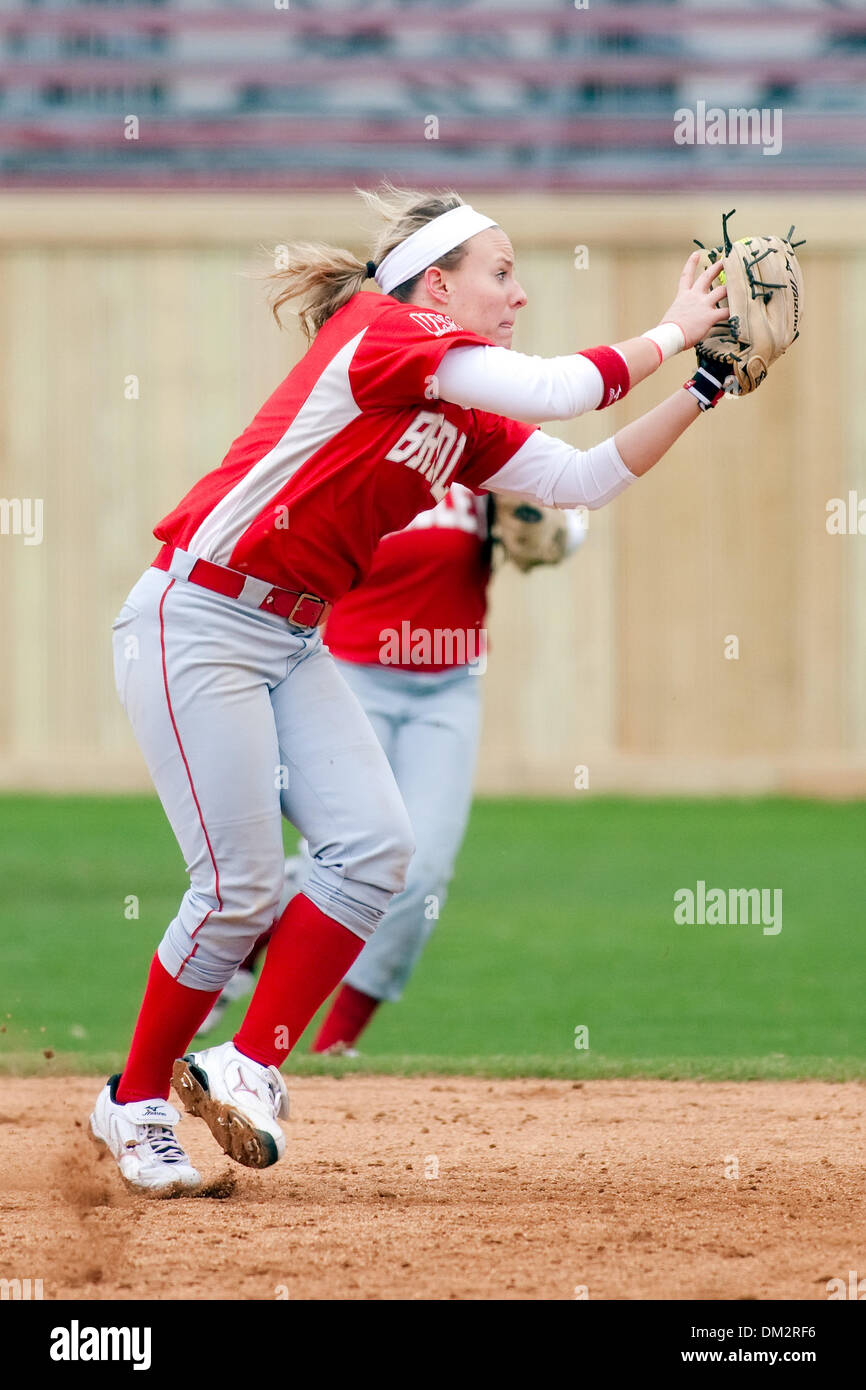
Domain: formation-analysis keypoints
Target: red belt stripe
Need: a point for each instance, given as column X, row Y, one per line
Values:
column 297, row 607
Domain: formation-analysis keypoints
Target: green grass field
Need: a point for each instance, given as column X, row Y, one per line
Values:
column 561, row 915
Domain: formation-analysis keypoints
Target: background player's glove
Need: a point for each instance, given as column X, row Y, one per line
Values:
column 530, row 535
column 765, row 305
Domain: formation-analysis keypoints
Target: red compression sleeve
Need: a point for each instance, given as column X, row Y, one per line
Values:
column 614, row 373
column 169, row 1016
column 308, row 955
column 349, row 1015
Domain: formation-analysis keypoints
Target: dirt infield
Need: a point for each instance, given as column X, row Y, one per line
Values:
column 454, row 1188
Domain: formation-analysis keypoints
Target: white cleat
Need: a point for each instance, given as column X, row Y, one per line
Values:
column 140, row 1136
column 240, row 1101
column 340, row 1049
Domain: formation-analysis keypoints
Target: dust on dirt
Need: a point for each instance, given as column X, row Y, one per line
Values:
column 457, row 1188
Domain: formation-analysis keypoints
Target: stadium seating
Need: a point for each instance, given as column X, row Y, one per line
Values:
column 552, row 95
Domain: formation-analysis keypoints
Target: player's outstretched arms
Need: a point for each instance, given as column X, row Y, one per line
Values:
column 641, row 444
column 694, row 311
column 532, row 389
column 535, row 389
column 549, row 471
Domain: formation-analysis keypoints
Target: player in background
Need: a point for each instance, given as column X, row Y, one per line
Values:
column 219, row 660
column 410, row 642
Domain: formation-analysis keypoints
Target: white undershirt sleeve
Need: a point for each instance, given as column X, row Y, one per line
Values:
column 509, row 383
column 549, row 471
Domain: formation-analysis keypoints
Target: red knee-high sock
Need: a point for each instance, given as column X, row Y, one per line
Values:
column 167, row 1022
column 308, row 955
column 347, row 1018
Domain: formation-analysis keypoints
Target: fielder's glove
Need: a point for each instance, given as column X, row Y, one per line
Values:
column 765, row 304
column 529, row 535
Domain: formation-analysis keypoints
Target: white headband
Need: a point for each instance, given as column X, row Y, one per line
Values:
column 425, row 246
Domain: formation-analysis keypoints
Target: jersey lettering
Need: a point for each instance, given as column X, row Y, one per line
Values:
column 433, row 447
column 459, row 510
column 437, row 324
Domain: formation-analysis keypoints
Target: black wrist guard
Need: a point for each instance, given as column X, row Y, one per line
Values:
column 709, row 382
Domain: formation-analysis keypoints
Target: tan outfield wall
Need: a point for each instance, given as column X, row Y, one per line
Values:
column 615, row 662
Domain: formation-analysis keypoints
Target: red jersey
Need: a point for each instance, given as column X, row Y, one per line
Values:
column 430, row 577
column 351, row 446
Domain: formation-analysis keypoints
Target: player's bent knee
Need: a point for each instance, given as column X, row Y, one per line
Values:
column 252, row 907
column 395, row 856
column 380, row 853
column 245, row 906
column 354, row 880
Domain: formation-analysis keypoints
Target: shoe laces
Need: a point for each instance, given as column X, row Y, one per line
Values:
column 278, row 1094
column 162, row 1141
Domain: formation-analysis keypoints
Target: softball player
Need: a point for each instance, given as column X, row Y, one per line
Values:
column 237, row 706
column 427, row 585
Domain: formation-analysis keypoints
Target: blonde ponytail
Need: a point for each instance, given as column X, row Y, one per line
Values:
column 324, row 278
